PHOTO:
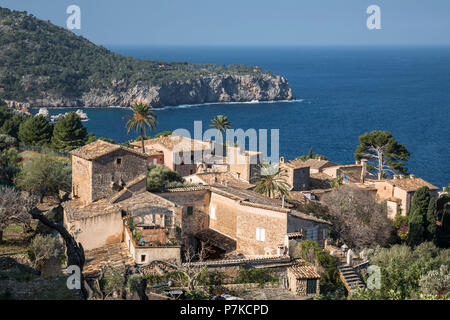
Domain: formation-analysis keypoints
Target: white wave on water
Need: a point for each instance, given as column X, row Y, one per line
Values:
column 184, row 106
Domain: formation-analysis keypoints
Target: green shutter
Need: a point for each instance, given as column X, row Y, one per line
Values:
column 190, row 211
column 311, row 286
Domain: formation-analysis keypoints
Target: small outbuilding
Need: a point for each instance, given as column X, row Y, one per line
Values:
column 303, row 279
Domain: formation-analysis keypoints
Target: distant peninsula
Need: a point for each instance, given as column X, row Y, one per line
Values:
column 44, row 65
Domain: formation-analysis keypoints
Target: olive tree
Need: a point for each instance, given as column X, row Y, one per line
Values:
column 14, row 209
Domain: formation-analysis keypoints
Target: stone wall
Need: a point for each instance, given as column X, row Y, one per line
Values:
column 97, row 231
column 107, row 170
column 274, row 223
column 295, row 224
column 82, row 179
column 199, row 201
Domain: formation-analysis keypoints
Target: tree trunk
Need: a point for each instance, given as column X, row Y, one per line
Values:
column 74, row 250
column 142, row 139
column 380, row 164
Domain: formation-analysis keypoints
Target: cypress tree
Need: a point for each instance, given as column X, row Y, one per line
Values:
column 69, row 132
column 417, row 217
column 35, row 131
column 431, row 220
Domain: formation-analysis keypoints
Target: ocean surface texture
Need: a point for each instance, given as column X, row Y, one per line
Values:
column 341, row 93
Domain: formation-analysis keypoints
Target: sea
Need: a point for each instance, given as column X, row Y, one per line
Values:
column 341, row 93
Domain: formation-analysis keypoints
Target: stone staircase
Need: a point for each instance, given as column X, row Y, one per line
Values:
column 349, row 277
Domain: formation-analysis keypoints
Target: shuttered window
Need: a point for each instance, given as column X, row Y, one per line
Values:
column 311, row 286
column 190, row 211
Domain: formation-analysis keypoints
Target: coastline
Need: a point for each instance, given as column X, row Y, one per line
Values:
column 181, row 106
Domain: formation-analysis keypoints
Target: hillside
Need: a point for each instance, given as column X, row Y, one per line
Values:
column 42, row 64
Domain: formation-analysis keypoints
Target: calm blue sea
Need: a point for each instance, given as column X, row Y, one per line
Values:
column 343, row 92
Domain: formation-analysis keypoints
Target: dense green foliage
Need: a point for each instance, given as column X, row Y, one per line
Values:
column 160, row 177
column 36, row 131
column 10, row 122
column 69, row 133
column 311, row 155
column 9, row 159
column 40, row 59
column 417, row 216
column 401, row 270
column 325, row 264
column 384, row 154
column 45, row 176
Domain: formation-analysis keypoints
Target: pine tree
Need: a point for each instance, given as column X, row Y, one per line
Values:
column 69, row 132
column 417, row 217
column 35, row 131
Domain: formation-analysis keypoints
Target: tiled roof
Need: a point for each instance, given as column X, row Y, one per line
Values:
column 187, row 189
column 114, row 255
column 172, row 142
column 319, row 164
column 100, row 148
column 294, row 235
column 301, row 270
column 248, row 196
column 312, row 163
column 411, row 184
column 249, row 260
column 295, row 164
column 212, row 178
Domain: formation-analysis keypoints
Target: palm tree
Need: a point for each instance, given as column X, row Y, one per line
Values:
column 271, row 181
column 221, row 123
column 141, row 119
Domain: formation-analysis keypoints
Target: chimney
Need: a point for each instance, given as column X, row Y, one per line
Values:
column 281, row 159
column 363, row 170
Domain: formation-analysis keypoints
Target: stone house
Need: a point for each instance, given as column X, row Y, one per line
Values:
column 180, row 154
column 109, row 185
column 297, row 172
column 251, row 224
column 398, row 193
column 110, row 205
column 303, row 279
column 189, row 156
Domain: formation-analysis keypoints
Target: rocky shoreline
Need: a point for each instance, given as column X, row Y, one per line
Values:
column 230, row 88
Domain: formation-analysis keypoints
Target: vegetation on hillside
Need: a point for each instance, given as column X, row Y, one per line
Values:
column 40, row 59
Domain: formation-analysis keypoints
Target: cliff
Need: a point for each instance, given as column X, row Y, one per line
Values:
column 44, row 65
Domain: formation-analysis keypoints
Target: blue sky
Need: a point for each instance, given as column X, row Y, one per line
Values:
column 249, row 22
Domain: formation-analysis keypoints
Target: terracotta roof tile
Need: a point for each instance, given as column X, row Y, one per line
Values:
column 100, row 148
column 411, row 184
column 301, row 270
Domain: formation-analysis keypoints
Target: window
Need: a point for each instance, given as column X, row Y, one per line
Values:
column 212, row 213
column 260, row 234
column 143, row 258
column 191, row 171
column 155, row 161
column 118, row 162
column 311, row 286
column 325, row 234
column 190, row 211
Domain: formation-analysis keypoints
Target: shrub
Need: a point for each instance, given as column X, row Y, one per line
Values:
column 43, row 248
